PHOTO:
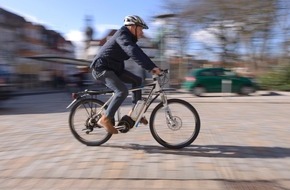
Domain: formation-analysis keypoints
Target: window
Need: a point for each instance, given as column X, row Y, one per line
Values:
column 229, row 73
column 219, row 72
column 206, row 73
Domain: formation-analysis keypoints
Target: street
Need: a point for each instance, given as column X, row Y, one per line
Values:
column 243, row 144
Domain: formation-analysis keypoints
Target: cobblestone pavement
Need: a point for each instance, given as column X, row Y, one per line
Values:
column 243, row 144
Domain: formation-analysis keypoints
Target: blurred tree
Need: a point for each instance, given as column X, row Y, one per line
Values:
column 178, row 29
column 284, row 24
column 235, row 24
column 241, row 29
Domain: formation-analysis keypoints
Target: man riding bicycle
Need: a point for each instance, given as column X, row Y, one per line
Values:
column 108, row 67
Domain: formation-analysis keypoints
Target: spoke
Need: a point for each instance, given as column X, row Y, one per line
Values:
column 172, row 127
column 89, row 132
column 90, row 109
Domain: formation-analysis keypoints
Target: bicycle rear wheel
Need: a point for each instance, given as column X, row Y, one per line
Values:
column 83, row 122
column 175, row 126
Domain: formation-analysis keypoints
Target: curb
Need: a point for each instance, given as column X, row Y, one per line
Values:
column 25, row 93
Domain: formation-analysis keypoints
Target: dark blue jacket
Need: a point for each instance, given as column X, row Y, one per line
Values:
column 120, row 47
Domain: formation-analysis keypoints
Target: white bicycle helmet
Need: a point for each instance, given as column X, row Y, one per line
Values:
column 135, row 20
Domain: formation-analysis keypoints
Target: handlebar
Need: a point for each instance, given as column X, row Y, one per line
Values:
column 163, row 71
column 161, row 77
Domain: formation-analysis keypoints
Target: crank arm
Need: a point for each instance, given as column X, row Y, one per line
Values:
column 121, row 127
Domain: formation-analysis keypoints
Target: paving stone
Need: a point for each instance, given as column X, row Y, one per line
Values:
column 241, row 139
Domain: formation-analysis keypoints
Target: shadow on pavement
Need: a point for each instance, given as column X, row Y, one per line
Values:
column 219, row 151
column 245, row 96
column 271, row 94
column 36, row 104
column 32, row 109
column 42, row 104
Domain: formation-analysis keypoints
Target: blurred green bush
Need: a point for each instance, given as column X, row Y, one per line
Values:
column 277, row 79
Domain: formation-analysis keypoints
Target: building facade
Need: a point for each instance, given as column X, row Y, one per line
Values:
column 20, row 39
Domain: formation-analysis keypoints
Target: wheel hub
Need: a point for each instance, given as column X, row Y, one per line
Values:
column 175, row 123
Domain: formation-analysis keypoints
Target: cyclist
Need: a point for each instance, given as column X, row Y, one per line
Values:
column 108, row 67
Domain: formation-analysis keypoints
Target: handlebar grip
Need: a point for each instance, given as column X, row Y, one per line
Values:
column 165, row 70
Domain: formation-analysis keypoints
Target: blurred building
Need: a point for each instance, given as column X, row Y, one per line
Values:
column 19, row 39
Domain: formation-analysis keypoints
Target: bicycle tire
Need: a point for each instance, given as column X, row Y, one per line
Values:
column 80, row 116
column 184, row 116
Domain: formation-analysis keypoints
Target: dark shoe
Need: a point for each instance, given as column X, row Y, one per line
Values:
column 143, row 120
column 107, row 124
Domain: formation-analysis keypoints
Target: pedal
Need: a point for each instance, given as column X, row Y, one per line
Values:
column 87, row 131
column 120, row 127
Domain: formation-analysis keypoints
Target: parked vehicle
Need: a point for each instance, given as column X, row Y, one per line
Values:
column 214, row 80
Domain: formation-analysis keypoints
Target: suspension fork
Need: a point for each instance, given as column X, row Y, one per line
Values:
column 168, row 114
column 163, row 97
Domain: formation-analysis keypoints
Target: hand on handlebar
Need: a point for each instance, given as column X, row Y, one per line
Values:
column 156, row 71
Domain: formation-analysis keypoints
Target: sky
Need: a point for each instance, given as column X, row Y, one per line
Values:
column 68, row 16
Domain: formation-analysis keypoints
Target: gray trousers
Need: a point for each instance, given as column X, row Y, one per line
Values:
column 117, row 84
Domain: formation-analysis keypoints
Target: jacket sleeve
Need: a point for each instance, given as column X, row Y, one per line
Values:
column 134, row 51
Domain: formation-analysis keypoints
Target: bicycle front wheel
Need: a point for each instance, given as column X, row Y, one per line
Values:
column 174, row 126
column 83, row 120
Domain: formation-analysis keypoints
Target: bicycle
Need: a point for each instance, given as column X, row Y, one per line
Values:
column 173, row 123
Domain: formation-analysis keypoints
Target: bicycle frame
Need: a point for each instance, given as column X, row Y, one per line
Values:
column 165, row 119
column 156, row 90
